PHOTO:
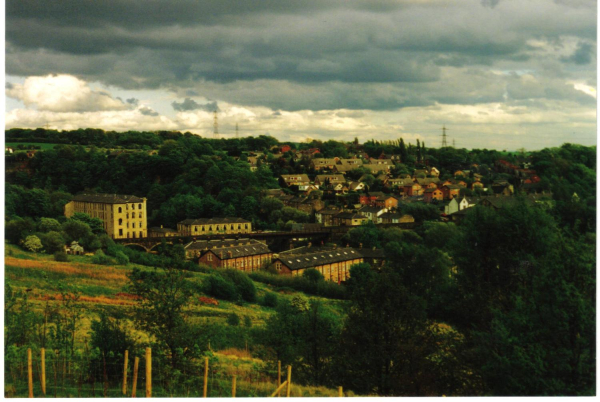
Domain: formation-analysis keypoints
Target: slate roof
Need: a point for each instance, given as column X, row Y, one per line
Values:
column 244, row 250
column 370, row 209
column 107, row 198
column 212, row 221
column 328, row 211
column 295, row 178
column 312, row 259
column 349, row 215
column 333, row 178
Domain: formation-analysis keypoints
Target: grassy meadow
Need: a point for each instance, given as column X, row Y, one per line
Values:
column 105, row 289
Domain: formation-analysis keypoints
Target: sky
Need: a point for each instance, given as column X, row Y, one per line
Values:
column 498, row 74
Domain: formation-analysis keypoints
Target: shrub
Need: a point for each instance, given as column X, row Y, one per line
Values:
column 18, row 229
column 327, row 289
column 52, row 241
column 33, row 243
column 122, row 259
column 243, row 284
column 313, row 275
column 247, row 321
column 112, row 340
column 48, row 225
column 100, row 258
column 270, row 300
column 300, row 303
column 221, row 288
column 233, row 319
column 61, row 256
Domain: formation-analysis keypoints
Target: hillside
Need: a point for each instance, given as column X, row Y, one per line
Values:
column 98, row 289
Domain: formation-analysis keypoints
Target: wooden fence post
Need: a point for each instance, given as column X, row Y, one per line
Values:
column 43, row 351
column 278, row 376
column 135, row 373
column 289, row 381
column 125, row 372
column 205, row 377
column 148, row 373
column 29, row 373
column 340, row 392
column 233, row 386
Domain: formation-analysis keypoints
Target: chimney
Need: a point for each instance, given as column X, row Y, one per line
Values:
column 360, row 245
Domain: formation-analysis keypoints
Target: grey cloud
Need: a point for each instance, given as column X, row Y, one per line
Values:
column 582, row 55
column 490, row 3
column 147, row 111
column 8, row 85
column 190, row 104
column 133, row 101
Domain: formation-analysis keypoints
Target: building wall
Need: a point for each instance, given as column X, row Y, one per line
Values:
column 335, row 272
column 120, row 221
column 221, row 228
column 249, row 263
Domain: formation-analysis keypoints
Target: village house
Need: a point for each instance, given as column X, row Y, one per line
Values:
column 375, row 168
column 321, row 179
column 356, row 186
column 333, row 264
column 398, row 183
column 375, row 257
column 450, row 191
column 247, row 256
column 431, row 194
column 325, row 216
column 323, row 163
column 294, row 179
column 348, row 219
column 430, row 182
column 206, row 226
column 503, row 188
column 394, row 217
column 387, row 201
column 372, row 213
column 413, row 189
column 123, row 216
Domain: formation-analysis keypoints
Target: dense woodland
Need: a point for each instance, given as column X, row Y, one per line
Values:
column 501, row 304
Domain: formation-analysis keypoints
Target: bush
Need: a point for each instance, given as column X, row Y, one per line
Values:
column 122, row 259
column 233, row 319
column 327, row 289
column 243, row 284
column 48, row 225
column 270, row 300
column 217, row 286
column 100, row 258
column 112, row 340
column 33, row 243
column 18, row 229
column 313, row 275
column 247, row 321
column 52, row 241
column 61, row 256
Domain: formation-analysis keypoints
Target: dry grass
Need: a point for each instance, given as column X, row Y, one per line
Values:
column 89, row 270
column 239, row 353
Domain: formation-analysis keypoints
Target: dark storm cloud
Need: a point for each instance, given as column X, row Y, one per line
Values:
column 133, row 101
column 190, row 104
column 335, row 54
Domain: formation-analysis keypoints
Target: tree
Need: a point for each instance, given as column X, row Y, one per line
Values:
column 48, row 225
column 164, row 295
column 52, row 242
column 76, row 230
column 33, row 243
column 96, row 225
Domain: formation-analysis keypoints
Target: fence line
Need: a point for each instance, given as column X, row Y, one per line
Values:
column 106, row 375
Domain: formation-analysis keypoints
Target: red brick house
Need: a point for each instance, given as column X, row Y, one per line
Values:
column 451, row 190
column 387, row 201
column 413, row 189
column 433, row 194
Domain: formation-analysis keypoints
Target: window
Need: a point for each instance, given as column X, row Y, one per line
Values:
column 141, row 235
column 133, row 224
column 139, row 206
column 120, row 209
column 209, row 257
column 120, row 221
column 195, row 228
column 120, row 232
column 246, row 226
column 126, row 216
column 140, row 215
column 278, row 266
